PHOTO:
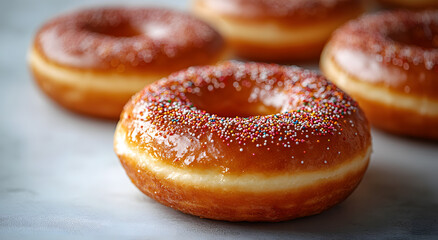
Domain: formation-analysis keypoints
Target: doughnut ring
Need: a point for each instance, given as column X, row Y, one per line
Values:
column 244, row 142
column 92, row 61
column 389, row 63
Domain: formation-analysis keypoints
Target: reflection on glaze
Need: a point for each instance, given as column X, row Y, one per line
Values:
column 367, row 67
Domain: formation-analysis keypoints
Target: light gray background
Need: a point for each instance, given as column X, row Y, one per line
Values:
column 59, row 177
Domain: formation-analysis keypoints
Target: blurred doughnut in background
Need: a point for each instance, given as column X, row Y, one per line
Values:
column 388, row 62
column 92, row 61
column 277, row 30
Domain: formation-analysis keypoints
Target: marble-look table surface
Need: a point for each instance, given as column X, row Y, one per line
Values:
column 60, row 179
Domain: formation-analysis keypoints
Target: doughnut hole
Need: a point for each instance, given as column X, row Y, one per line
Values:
column 122, row 29
column 420, row 36
column 234, row 100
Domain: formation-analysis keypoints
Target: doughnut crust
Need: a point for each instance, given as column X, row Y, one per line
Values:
column 389, row 63
column 92, row 61
column 244, row 142
column 277, row 30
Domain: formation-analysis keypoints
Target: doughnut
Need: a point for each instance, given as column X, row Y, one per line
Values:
column 388, row 62
column 244, row 142
column 413, row 4
column 277, row 30
column 92, row 61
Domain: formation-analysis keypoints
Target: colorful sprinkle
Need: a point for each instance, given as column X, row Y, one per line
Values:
column 313, row 107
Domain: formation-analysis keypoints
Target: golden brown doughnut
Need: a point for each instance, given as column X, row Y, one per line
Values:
column 277, row 30
column 244, row 142
column 389, row 63
column 92, row 61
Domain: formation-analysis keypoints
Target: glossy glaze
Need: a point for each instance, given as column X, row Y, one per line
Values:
column 215, row 118
column 128, row 40
column 397, row 50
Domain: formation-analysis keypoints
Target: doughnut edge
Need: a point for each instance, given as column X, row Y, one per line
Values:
column 238, row 205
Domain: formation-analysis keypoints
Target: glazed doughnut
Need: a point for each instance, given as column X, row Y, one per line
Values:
column 277, row 30
column 389, row 63
column 244, row 142
column 92, row 61
column 414, row 4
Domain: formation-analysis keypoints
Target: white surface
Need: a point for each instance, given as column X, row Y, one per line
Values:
column 59, row 177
